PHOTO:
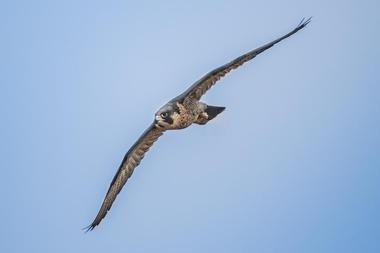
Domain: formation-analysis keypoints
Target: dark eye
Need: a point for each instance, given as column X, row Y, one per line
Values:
column 164, row 115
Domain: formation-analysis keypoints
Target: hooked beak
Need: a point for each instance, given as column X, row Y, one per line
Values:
column 159, row 123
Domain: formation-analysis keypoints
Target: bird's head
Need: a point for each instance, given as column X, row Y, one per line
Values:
column 167, row 116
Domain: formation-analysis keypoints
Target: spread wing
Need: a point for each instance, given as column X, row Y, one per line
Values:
column 198, row 89
column 131, row 160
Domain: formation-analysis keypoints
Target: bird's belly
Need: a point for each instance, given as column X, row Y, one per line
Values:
column 184, row 121
column 187, row 115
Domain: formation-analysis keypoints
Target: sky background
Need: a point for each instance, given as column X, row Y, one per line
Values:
column 292, row 165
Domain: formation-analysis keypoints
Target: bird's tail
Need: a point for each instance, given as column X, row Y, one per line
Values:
column 213, row 111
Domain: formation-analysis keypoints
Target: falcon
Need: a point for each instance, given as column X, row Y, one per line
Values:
column 180, row 112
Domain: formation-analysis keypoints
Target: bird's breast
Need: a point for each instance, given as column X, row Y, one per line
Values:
column 184, row 117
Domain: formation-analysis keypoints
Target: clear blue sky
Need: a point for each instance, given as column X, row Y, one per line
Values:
column 292, row 165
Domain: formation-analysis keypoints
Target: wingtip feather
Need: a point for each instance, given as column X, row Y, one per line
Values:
column 304, row 22
column 88, row 228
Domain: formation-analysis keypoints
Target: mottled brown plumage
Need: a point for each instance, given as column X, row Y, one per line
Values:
column 198, row 89
column 178, row 113
column 130, row 162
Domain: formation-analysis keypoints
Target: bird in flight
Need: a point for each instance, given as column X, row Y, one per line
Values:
column 178, row 113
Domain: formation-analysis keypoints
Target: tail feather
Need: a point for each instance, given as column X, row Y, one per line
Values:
column 213, row 111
